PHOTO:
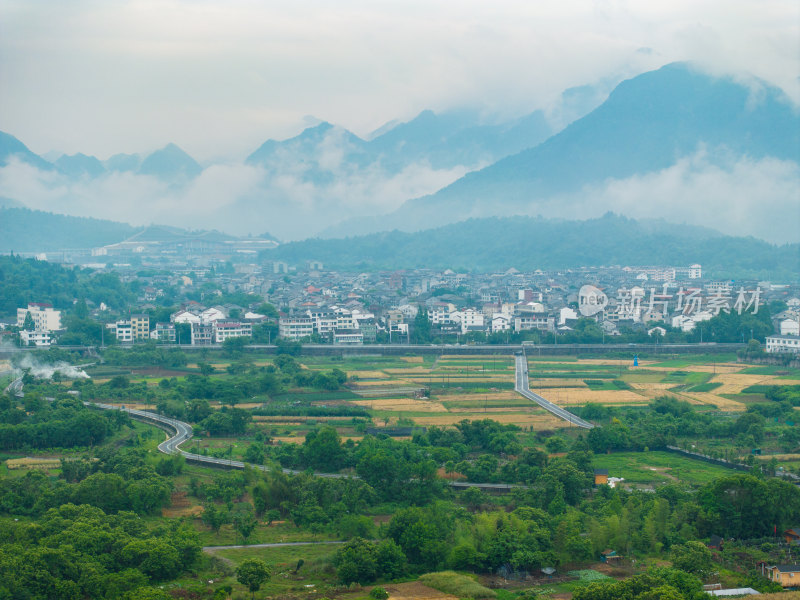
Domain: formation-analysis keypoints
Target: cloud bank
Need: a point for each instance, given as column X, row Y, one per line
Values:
column 218, row 78
column 734, row 195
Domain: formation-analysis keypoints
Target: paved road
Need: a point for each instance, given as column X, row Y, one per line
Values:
column 521, row 386
column 183, row 432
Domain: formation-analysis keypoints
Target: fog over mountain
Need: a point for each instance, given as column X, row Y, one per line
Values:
column 674, row 143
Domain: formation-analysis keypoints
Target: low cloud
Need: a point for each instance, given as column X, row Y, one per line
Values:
column 736, row 196
column 291, row 196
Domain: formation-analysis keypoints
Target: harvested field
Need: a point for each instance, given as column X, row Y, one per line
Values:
column 475, row 357
column 369, row 374
column 479, row 410
column 652, row 387
column 742, row 379
column 719, row 368
column 388, row 391
column 779, row 456
column 414, row 590
column 377, row 384
column 239, row 404
column 135, row 405
column 527, row 420
column 555, row 382
column 412, row 359
column 300, row 419
column 401, row 404
column 176, row 513
column 722, row 403
column 462, row 379
column 180, row 506
column 612, row 361
column 33, row 463
column 461, row 397
column 408, row 370
column 289, row 440
column 572, row 396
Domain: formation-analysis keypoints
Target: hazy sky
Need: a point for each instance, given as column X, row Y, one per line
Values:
column 220, row 77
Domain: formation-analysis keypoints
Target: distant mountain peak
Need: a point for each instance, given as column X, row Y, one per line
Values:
column 170, row 162
column 80, row 165
column 647, row 124
column 11, row 147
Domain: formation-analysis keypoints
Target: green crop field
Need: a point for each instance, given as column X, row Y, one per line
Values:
column 658, row 468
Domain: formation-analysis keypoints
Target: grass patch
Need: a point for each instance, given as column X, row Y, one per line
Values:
column 657, row 468
column 643, row 377
column 283, row 555
column 785, row 372
column 756, row 389
column 453, row 583
column 697, row 359
column 704, row 387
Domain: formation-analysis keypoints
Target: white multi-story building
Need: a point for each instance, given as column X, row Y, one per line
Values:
column 687, row 323
column 567, row 313
column 790, row 327
column 530, row 321
column 184, row 316
column 440, row 314
column 123, row 331
column 225, row 329
column 348, row 337
column 501, row 322
column 294, row 328
column 783, row 343
column 45, row 317
column 470, row 319
column 164, row 332
column 35, row 338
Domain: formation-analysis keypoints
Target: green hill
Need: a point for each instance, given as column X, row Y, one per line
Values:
column 24, row 230
column 529, row 243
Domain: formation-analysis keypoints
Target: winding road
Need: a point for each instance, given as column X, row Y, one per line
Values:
column 183, row 432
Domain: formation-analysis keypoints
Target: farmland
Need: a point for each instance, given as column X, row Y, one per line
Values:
column 445, row 418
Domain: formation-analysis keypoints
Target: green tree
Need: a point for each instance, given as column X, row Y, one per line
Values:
column 355, row 562
column 323, row 449
column 244, row 520
column 692, row 557
column 253, row 573
column 215, row 516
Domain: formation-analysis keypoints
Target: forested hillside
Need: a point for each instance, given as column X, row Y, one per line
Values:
column 27, row 280
column 25, row 230
column 529, row 243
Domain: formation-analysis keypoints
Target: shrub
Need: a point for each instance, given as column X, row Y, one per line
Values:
column 378, row 593
column 451, row 582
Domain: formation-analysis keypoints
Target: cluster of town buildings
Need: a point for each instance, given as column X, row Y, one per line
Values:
column 361, row 308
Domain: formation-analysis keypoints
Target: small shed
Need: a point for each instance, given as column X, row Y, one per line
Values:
column 792, row 535
column 601, row 476
column 610, row 556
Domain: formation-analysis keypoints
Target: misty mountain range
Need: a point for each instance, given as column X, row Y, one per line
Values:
column 673, row 143
column 530, row 243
